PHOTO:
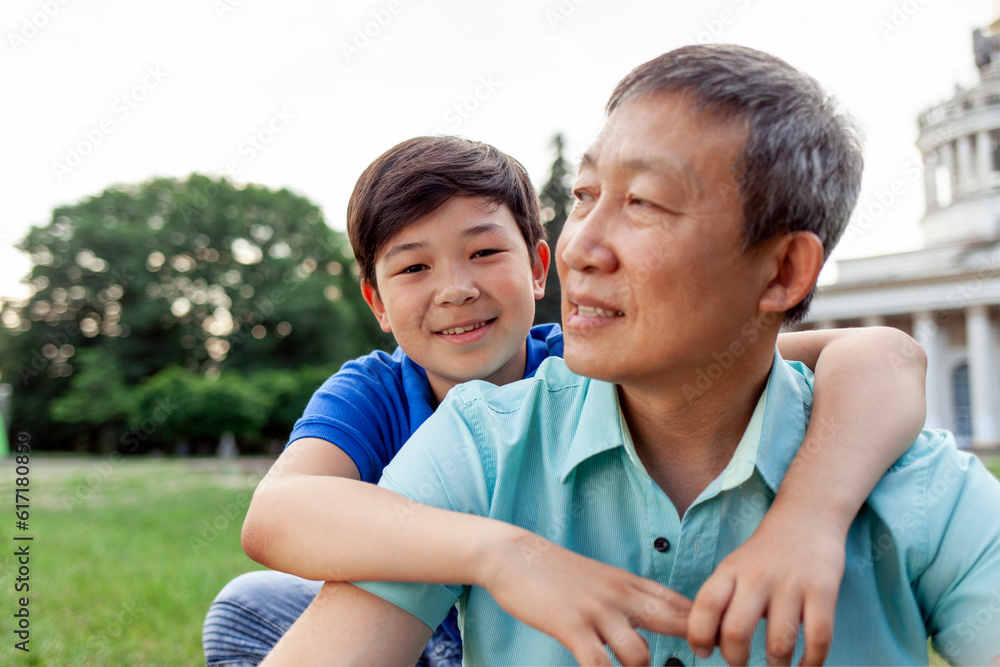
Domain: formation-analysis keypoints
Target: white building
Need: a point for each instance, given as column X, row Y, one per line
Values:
column 946, row 295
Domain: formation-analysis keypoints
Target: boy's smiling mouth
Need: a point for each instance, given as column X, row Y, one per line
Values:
column 454, row 331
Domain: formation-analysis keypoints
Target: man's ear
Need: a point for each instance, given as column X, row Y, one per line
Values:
column 540, row 268
column 798, row 258
column 371, row 297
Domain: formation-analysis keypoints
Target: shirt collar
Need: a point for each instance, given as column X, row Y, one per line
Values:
column 595, row 432
column 769, row 443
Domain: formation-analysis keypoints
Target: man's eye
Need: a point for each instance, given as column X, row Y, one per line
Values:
column 579, row 195
column 485, row 253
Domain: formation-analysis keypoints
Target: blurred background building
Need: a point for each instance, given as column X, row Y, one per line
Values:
column 947, row 294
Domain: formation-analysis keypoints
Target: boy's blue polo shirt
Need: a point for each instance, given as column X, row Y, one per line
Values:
column 554, row 455
column 373, row 404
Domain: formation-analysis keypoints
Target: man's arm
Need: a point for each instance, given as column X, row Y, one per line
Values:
column 345, row 625
column 869, row 405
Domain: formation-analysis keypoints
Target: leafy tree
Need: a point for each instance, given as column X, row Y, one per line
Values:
column 289, row 393
column 97, row 398
column 175, row 404
column 557, row 201
column 198, row 273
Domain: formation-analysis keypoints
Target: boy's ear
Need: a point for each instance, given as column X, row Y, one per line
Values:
column 371, row 297
column 797, row 259
column 540, row 268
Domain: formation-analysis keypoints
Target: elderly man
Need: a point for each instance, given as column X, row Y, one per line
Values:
column 705, row 209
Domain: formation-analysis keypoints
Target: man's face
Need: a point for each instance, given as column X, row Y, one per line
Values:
column 457, row 289
column 653, row 276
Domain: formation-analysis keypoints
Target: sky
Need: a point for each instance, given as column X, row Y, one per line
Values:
column 304, row 95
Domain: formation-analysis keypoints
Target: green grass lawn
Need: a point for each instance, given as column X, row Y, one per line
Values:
column 127, row 556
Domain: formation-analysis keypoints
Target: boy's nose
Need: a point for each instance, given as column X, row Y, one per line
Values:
column 457, row 291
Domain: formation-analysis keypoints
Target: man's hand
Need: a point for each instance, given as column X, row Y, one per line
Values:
column 789, row 571
column 582, row 603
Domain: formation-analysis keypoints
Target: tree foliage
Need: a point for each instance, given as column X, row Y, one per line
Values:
column 198, row 273
column 556, row 204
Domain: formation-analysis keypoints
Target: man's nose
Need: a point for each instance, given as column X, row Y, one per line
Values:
column 456, row 288
column 584, row 242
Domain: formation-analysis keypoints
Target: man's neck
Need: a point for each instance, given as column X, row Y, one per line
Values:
column 685, row 440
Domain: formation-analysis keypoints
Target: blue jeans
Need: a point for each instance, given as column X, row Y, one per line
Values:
column 253, row 611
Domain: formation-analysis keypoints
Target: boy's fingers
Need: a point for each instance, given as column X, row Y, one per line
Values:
column 629, row 647
column 706, row 613
column 817, row 619
column 783, row 616
column 739, row 623
column 662, row 611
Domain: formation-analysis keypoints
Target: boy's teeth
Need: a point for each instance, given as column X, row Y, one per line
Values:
column 459, row 330
column 588, row 311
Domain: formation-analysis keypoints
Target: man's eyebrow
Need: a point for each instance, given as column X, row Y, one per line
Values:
column 673, row 169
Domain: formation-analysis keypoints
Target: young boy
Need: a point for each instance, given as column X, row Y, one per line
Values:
column 452, row 254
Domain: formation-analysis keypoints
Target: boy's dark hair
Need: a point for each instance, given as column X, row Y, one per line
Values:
column 800, row 167
column 414, row 178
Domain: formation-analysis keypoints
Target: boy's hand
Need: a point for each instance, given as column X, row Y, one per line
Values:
column 582, row 603
column 789, row 571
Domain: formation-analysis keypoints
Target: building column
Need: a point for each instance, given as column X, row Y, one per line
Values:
column 947, row 159
column 933, row 339
column 984, row 160
column 930, row 179
column 963, row 146
column 979, row 341
column 873, row 321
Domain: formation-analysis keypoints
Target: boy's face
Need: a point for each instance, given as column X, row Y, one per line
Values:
column 457, row 289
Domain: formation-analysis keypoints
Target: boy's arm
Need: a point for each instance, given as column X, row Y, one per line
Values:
column 868, row 407
column 341, row 529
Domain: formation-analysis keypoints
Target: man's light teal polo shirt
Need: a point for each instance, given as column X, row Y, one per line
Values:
column 553, row 454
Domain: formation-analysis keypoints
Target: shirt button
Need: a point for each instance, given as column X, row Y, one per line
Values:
column 674, row 661
column 661, row 544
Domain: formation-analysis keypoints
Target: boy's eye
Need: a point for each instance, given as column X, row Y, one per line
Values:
column 485, row 253
column 416, row 268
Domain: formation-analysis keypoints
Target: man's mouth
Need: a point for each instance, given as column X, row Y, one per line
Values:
column 465, row 329
column 591, row 311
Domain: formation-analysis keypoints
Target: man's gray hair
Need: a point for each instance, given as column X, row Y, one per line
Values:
column 800, row 168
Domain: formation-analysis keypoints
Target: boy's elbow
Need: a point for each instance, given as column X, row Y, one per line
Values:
column 904, row 349
column 256, row 536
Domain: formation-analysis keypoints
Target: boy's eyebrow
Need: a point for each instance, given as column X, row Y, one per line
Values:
column 485, row 228
column 401, row 248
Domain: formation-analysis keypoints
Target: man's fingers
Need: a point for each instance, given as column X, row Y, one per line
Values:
column 706, row 613
column 739, row 623
column 817, row 619
column 783, row 617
